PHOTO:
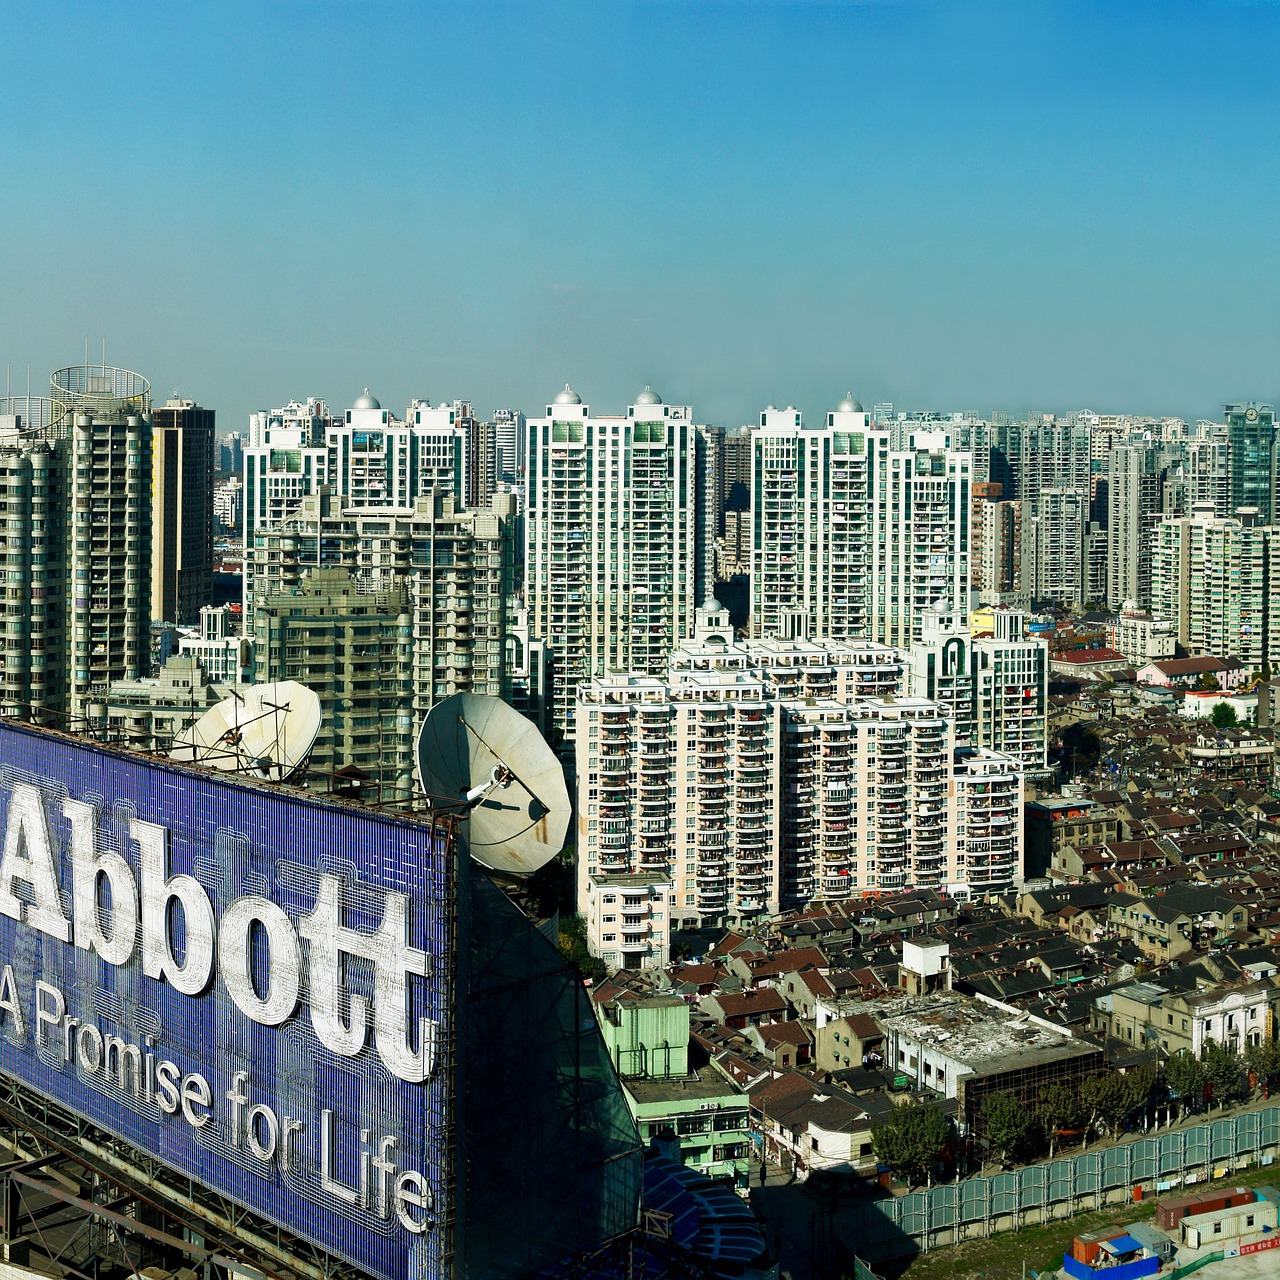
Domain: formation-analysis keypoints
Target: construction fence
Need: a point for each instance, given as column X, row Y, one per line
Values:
column 977, row 1207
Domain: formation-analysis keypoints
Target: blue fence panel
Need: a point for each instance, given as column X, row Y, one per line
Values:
column 1248, row 1131
column 974, row 1197
column 1088, row 1171
column 1144, row 1163
column 1171, row 1153
column 942, row 1206
column 1269, row 1125
column 1062, row 1182
column 1006, row 1193
column 1196, row 1142
column 913, row 1211
column 1222, row 1139
column 1115, row 1167
column 1035, row 1185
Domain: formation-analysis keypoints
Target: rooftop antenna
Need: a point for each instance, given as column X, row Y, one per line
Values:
column 478, row 755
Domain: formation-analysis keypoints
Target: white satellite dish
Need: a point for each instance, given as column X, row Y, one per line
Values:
column 480, row 757
column 266, row 732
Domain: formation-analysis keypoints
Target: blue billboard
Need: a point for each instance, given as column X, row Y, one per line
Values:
column 251, row 984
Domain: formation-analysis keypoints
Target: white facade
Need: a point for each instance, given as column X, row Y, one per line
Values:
column 1141, row 637
column 852, row 537
column 918, row 536
column 1218, row 583
column 994, row 687
column 228, row 503
column 224, row 657
column 809, row 520
column 284, row 461
column 611, row 536
column 743, row 802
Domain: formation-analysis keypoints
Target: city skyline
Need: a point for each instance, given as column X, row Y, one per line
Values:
column 943, row 206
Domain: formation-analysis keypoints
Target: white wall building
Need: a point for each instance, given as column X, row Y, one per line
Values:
column 1218, row 583
column 850, row 536
column 993, row 686
column 742, row 802
column 611, row 535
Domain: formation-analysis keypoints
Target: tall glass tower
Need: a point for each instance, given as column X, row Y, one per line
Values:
column 1251, row 437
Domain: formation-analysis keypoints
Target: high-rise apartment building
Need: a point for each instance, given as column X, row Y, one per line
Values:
column 993, row 684
column 611, row 535
column 810, row 520
column 917, row 535
column 510, row 442
column 182, row 466
column 1218, row 582
column 34, row 451
column 1054, row 525
column 1052, row 455
column 456, row 564
column 723, row 800
column 851, row 537
column 285, row 459
column 1133, row 511
column 367, row 454
column 1252, row 462
column 108, row 538
column 735, row 474
column 353, row 649
column 996, row 550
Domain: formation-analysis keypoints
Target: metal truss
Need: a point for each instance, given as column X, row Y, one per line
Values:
column 94, row 1205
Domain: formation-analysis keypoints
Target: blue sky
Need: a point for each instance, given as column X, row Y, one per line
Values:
column 1020, row 206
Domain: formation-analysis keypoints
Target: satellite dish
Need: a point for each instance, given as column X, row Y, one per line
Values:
column 266, row 732
column 480, row 756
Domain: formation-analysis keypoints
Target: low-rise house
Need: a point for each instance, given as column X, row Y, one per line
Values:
column 738, row 1009
column 648, row 1040
column 969, row 1048
column 1185, row 672
column 785, row 1044
column 1152, row 1014
column 805, row 1126
column 848, row 1040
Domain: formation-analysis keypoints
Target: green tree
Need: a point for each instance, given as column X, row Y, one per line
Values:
column 1105, row 1099
column 1058, row 1110
column 1263, row 1061
column 910, row 1141
column 1225, row 1072
column 1139, row 1086
column 1208, row 682
column 572, row 943
column 1006, row 1124
column 1184, row 1073
column 1224, row 716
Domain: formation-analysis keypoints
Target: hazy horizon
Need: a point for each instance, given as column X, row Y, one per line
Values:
column 995, row 207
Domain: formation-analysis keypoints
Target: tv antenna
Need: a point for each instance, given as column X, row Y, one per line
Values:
column 265, row 732
column 480, row 757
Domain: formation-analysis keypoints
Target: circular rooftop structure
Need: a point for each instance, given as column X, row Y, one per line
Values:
column 849, row 404
column 648, row 396
column 101, row 387
column 32, row 413
column 366, row 401
column 567, row 396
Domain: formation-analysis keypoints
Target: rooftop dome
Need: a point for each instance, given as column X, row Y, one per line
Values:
column 849, row 404
column 568, row 396
column 648, row 396
column 366, row 401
